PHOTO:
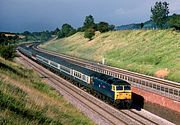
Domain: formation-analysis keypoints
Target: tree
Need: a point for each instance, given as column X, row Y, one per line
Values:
column 160, row 12
column 89, row 33
column 73, row 31
column 142, row 24
column 7, row 51
column 174, row 21
column 60, row 34
column 2, row 38
column 89, row 23
column 67, row 30
column 111, row 27
column 103, row 27
column 80, row 29
column 26, row 33
column 45, row 35
column 55, row 32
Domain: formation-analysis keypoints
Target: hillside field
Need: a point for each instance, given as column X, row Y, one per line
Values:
column 26, row 100
column 151, row 52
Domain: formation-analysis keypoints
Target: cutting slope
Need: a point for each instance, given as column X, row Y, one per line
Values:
column 152, row 52
column 26, row 100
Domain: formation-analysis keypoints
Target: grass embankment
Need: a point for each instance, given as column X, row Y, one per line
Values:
column 25, row 99
column 151, row 52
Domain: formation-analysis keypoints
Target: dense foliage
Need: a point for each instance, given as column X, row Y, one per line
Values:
column 6, row 40
column 67, row 30
column 160, row 13
column 89, row 23
column 103, row 27
column 90, row 27
column 7, row 45
column 36, row 36
column 174, row 22
column 7, row 51
column 89, row 33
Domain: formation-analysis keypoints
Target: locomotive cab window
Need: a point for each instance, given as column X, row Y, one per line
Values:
column 127, row 88
column 119, row 88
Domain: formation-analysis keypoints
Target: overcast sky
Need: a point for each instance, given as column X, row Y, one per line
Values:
column 38, row 15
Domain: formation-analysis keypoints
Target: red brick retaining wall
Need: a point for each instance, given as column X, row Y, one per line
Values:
column 158, row 99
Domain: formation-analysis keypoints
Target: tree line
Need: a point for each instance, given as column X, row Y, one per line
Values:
column 159, row 17
column 89, row 28
column 36, row 36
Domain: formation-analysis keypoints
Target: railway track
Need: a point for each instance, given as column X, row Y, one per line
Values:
column 160, row 86
column 106, row 112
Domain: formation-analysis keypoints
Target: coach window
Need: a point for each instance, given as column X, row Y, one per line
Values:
column 122, row 76
column 117, row 75
column 77, row 74
column 154, row 86
column 171, row 91
column 150, row 85
column 134, row 80
column 162, row 88
column 175, row 92
column 113, row 75
column 166, row 89
column 125, row 77
column 129, row 79
column 83, row 77
column 142, row 82
column 158, row 87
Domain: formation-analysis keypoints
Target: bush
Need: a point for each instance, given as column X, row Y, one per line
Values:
column 7, row 52
column 89, row 33
column 174, row 22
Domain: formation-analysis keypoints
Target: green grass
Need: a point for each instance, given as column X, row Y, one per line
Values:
column 143, row 51
column 26, row 99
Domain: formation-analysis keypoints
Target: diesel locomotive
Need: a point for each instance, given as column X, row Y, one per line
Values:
column 106, row 87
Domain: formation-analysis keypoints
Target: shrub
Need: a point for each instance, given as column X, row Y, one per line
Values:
column 7, row 52
column 89, row 33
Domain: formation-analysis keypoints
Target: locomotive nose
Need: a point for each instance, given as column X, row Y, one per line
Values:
column 123, row 95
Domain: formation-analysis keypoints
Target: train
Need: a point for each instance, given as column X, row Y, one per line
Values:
column 108, row 88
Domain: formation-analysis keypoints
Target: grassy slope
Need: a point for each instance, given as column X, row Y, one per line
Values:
column 25, row 99
column 144, row 51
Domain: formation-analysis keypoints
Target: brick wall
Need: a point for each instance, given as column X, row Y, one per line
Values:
column 158, row 99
